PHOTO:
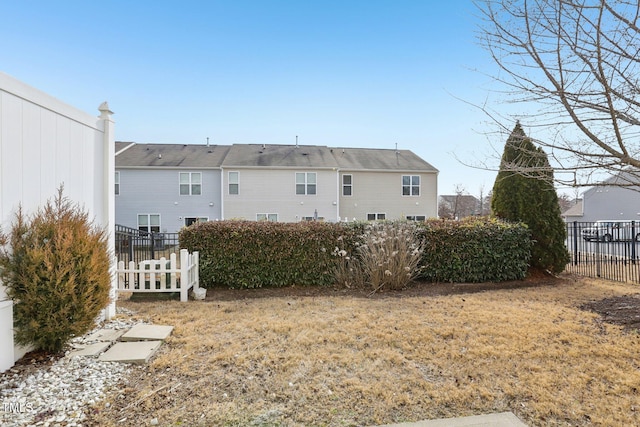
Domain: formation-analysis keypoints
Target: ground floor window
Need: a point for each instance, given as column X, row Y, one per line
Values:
column 149, row 223
column 188, row 220
column 267, row 217
column 376, row 216
column 416, row 217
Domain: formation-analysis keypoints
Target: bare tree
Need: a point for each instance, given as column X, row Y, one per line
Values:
column 459, row 205
column 577, row 63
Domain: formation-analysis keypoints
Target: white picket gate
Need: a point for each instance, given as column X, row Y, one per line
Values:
column 161, row 275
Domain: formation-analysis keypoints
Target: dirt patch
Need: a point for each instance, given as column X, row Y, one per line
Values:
column 416, row 289
column 621, row 310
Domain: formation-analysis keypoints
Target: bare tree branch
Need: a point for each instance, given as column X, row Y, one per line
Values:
column 578, row 63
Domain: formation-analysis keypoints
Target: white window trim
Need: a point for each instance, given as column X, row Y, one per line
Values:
column 267, row 215
column 117, row 183
column 149, row 215
column 306, row 183
column 411, row 186
column 377, row 214
column 197, row 219
column 235, row 183
column 191, row 183
column 347, row 185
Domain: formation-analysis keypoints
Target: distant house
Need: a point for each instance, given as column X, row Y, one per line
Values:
column 163, row 187
column 458, row 206
column 608, row 200
column 575, row 212
column 45, row 143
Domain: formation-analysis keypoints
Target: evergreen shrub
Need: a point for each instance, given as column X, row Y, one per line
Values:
column 254, row 254
column 475, row 249
column 55, row 265
column 524, row 192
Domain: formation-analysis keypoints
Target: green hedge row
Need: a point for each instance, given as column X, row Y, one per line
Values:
column 475, row 250
column 249, row 254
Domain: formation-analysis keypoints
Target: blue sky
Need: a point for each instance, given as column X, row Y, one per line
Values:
column 353, row 73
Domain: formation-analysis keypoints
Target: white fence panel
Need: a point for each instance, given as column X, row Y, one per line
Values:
column 161, row 275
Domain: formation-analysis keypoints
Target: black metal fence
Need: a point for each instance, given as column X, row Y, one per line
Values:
column 136, row 245
column 605, row 249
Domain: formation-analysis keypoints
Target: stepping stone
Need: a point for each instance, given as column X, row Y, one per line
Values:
column 138, row 352
column 142, row 332
column 91, row 349
column 106, row 335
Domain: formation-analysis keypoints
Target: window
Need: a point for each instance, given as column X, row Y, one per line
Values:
column 376, row 216
column 234, row 182
column 149, row 223
column 267, row 217
column 410, row 185
column 347, row 185
column 193, row 219
column 190, row 183
column 416, row 217
column 117, row 182
column 306, row 183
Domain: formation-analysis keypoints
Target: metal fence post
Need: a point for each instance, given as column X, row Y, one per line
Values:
column 633, row 242
column 130, row 240
column 598, row 257
column 575, row 242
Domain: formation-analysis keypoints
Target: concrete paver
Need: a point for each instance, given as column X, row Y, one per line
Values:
column 106, row 335
column 142, row 332
column 503, row 419
column 91, row 349
column 131, row 352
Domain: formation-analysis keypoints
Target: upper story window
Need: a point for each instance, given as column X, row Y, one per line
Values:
column 190, row 183
column 117, row 182
column 149, row 223
column 306, row 183
column 410, row 185
column 234, row 182
column 347, row 185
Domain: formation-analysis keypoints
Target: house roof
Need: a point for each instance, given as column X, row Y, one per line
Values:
column 575, row 210
column 380, row 159
column 171, row 155
column 462, row 198
column 129, row 154
column 275, row 156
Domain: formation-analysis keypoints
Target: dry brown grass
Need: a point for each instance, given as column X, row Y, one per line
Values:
column 350, row 361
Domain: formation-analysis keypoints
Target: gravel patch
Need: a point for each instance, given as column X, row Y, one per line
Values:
column 58, row 391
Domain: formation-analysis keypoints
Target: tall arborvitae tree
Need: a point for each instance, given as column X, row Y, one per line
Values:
column 524, row 192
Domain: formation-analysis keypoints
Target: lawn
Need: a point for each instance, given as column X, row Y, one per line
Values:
column 334, row 358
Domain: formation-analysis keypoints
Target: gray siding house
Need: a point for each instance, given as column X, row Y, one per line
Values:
column 607, row 201
column 286, row 183
column 164, row 187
